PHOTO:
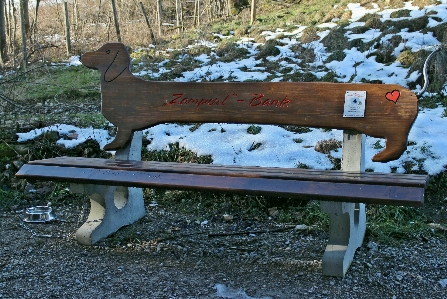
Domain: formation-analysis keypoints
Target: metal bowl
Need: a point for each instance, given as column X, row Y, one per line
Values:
column 39, row 214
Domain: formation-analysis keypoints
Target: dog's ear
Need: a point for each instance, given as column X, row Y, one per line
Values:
column 120, row 62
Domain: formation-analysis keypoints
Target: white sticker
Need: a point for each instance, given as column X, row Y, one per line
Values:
column 355, row 102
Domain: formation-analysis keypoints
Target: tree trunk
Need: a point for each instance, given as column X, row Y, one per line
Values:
column 75, row 14
column 197, row 13
column 115, row 17
column 25, row 23
column 98, row 18
column 23, row 28
column 159, row 17
column 67, row 29
column 253, row 11
column 12, row 30
column 178, row 9
column 3, row 57
column 147, row 23
column 34, row 23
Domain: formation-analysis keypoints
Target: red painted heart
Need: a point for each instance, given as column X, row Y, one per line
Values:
column 393, row 96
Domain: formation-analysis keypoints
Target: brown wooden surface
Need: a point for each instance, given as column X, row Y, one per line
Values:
column 373, row 178
column 131, row 103
column 375, row 188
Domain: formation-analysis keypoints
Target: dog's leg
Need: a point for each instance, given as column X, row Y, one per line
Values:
column 121, row 139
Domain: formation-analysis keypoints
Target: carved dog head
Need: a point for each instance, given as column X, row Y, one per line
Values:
column 111, row 60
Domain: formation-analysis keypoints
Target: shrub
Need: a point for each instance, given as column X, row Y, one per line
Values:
column 336, row 40
column 175, row 153
column 230, row 51
column 407, row 58
column 268, row 49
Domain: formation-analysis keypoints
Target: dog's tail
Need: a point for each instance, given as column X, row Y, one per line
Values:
column 424, row 88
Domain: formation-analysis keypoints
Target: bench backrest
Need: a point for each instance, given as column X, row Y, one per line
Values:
column 379, row 110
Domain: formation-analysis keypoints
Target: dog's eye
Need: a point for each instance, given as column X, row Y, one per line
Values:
column 108, row 51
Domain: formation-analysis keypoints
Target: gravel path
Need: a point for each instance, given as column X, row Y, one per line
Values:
column 165, row 255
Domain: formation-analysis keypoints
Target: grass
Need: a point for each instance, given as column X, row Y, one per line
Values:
column 391, row 225
column 45, row 83
column 8, row 199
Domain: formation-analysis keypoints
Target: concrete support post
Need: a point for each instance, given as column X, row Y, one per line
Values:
column 347, row 221
column 112, row 207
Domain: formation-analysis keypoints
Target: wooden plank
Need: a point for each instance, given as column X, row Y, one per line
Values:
column 131, row 103
column 336, row 191
column 390, row 179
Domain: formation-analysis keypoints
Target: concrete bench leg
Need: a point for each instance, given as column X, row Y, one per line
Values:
column 112, row 207
column 347, row 221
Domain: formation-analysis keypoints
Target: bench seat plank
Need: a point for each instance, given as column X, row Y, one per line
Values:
column 366, row 187
column 390, row 179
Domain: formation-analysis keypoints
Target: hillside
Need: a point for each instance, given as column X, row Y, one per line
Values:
column 270, row 247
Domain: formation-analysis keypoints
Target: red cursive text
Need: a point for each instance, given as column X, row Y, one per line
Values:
column 180, row 99
column 258, row 100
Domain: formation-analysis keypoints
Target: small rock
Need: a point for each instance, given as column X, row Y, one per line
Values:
column 30, row 188
column 72, row 136
column 372, row 246
column 18, row 164
column 21, row 149
column 301, row 227
column 273, row 212
column 443, row 282
column 51, row 136
column 227, row 217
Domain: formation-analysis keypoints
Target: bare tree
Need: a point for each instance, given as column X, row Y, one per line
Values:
column 67, row 29
column 25, row 11
column 179, row 15
column 3, row 57
column 253, row 11
column 75, row 14
column 12, row 29
column 34, row 24
column 159, row 16
column 115, row 17
column 23, row 21
column 197, row 13
column 148, row 23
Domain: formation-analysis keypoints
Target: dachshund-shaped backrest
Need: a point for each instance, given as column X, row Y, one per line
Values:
column 130, row 103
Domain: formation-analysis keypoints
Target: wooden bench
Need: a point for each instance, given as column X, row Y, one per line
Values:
column 133, row 104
